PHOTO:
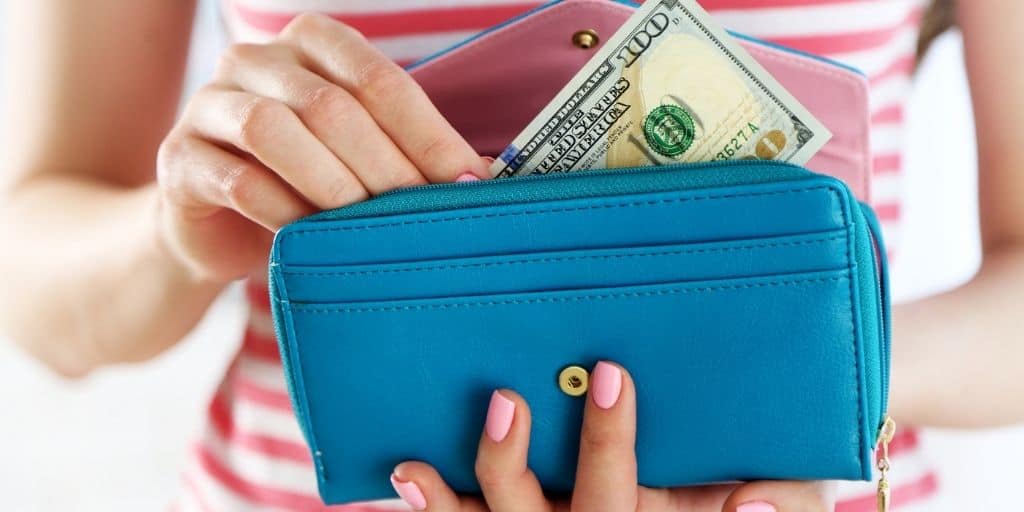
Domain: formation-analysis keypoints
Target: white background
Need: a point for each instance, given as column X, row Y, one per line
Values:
column 116, row 440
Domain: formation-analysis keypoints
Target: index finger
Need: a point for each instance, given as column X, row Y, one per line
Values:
column 396, row 102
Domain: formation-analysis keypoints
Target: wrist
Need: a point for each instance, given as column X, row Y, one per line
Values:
column 164, row 299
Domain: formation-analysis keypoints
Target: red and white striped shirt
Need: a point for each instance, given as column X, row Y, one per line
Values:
column 252, row 455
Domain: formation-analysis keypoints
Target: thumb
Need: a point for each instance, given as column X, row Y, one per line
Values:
column 422, row 489
column 769, row 496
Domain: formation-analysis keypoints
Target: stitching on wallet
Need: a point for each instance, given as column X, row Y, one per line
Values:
column 539, row 259
column 658, row 202
column 299, row 308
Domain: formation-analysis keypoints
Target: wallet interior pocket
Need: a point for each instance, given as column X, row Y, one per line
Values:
column 836, row 94
column 567, row 270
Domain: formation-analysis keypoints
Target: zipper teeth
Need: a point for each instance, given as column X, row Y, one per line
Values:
column 631, row 171
column 496, row 184
column 875, row 256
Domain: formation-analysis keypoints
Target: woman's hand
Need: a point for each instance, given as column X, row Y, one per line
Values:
column 606, row 475
column 316, row 119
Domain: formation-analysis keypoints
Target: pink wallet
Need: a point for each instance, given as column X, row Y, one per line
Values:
column 530, row 58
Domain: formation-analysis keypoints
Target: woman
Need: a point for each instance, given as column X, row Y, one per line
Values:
column 157, row 215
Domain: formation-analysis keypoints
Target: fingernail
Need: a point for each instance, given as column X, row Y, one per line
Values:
column 499, row 417
column 606, row 384
column 468, row 176
column 488, row 159
column 410, row 493
column 756, row 506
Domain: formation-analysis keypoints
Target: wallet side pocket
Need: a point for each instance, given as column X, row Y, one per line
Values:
column 705, row 356
column 567, row 270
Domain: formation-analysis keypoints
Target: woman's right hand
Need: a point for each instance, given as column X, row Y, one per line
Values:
column 316, row 119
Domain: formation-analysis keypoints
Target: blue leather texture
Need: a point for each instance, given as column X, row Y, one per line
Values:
column 747, row 299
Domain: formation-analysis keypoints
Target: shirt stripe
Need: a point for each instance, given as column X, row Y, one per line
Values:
column 274, row 447
column 849, row 42
column 399, row 23
column 904, row 494
column 227, row 476
column 253, row 456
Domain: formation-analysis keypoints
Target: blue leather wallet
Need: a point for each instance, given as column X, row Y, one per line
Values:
column 748, row 300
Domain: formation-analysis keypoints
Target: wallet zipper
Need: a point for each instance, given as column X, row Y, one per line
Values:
column 885, row 436
column 884, row 323
column 626, row 171
column 417, row 199
column 881, row 272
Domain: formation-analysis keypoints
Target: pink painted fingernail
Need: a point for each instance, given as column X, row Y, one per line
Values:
column 410, row 493
column 468, row 176
column 499, row 417
column 606, row 384
column 488, row 159
column 756, row 506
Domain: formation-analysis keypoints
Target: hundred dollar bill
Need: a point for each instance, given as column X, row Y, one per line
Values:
column 670, row 86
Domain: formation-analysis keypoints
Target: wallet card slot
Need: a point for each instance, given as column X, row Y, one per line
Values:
column 449, row 353
column 562, row 270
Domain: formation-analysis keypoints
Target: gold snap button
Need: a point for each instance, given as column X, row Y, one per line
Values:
column 573, row 380
column 585, row 39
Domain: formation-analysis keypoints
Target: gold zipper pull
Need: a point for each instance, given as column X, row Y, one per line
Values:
column 885, row 435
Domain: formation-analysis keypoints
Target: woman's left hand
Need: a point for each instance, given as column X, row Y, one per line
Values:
column 606, row 475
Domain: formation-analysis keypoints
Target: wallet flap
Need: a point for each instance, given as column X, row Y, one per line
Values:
column 491, row 86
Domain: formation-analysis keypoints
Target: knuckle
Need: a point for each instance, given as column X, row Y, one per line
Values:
column 379, row 78
column 258, row 120
column 340, row 193
column 203, row 99
column 353, row 33
column 312, row 23
column 238, row 53
column 171, row 151
column 330, row 104
column 305, row 22
column 602, row 440
column 436, row 149
column 488, row 475
column 205, row 91
column 238, row 186
column 172, row 147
